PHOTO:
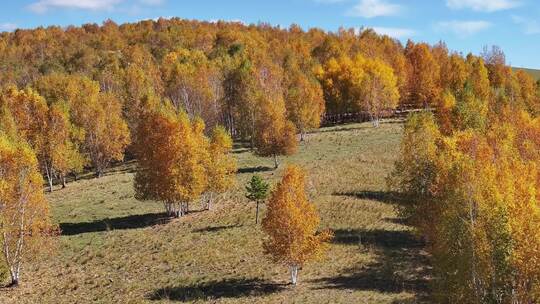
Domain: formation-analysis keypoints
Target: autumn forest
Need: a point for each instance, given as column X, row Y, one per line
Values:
column 341, row 166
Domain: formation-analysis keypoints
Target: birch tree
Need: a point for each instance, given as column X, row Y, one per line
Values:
column 172, row 153
column 291, row 224
column 24, row 213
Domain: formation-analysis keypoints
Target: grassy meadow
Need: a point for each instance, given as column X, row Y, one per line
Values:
column 116, row 249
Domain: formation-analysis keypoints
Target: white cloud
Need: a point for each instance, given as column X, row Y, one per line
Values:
column 375, row 8
column 483, row 5
column 463, row 28
column 7, row 27
column 152, row 2
column 42, row 6
column 394, row 32
column 530, row 26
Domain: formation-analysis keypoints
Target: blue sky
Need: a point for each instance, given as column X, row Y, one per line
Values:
column 465, row 25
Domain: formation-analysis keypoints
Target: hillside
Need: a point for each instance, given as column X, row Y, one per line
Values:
column 115, row 249
column 533, row 72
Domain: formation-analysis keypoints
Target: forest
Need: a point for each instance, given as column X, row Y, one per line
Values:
column 176, row 99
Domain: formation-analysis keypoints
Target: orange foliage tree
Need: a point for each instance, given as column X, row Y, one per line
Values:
column 172, row 154
column 423, row 81
column 291, row 223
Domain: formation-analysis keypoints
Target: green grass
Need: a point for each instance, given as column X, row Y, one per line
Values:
column 115, row 249
column 533, row 72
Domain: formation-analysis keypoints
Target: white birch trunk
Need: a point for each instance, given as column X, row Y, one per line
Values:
column 294, row 274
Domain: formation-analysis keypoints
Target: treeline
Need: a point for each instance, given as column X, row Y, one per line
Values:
column 86, row 85
column 471, row 174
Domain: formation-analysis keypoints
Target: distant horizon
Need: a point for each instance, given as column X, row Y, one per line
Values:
column 464, row 25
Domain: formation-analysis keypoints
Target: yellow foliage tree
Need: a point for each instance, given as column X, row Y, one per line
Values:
column 379, row 88
column 107, row 133
column 481, row 216
column 478, row 78
column 341, row 79
column 221, row 167
column 24, row 212
column 274, row 133
column 47, row 129
column 303, row 99
column 172, row 154
column 359, row 84
column 415, row 170
column 60, row 154
column 98, row 117
column 291, row 223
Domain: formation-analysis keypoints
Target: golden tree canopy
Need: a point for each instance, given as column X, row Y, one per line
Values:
column 291, row 222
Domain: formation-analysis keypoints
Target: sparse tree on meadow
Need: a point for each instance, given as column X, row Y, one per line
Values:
column 291, row 224
column 257, row 191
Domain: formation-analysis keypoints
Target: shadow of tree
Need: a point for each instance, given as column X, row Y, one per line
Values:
column 127, row 222
column 400, row 264
column 254, row 169
column 229, row 288
column 392, row 239
column 216, row 228
column 389, row 197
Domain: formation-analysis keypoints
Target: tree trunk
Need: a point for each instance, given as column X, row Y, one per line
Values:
column 276, row 164
column 257, row 213
column 294, row 274
column 376, row 122
column 14, row 279
column 49, row 178
column 63, row 177
column 302, row 135
column 168, row 208
column 209, row 200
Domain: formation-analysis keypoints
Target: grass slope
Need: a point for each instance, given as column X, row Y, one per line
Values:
column 115, row 249
column 533, row 72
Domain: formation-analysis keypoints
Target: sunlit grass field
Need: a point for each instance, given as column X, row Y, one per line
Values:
column 115, row 249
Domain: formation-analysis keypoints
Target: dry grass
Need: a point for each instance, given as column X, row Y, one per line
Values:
column 115, row 249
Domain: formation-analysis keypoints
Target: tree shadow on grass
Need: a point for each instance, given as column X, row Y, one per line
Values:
column 229, row 288
column 119, row 223
column 254, row 169
column 390, row 239
column 389, row 197
column 216, row 228
column 400, row 264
